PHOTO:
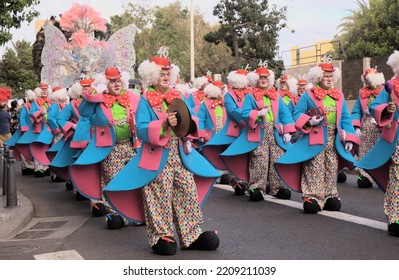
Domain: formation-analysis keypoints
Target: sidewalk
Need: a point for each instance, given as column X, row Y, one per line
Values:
column 13, row 219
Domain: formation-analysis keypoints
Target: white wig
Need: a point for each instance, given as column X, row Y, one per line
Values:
column 101, row 79
column 30, row 95
column 315, row 75
column 237, row 80
column 59, row 95
column 375, row 79
column 38, row 92
column 200, row 82
column 292, row 84
column 253, row 78
column 183, row 88
column 213, row 91
column 75, row 91
column 393, row 61
column 150, row 72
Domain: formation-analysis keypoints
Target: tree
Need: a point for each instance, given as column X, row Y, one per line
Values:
column 169, row 26
column 13, row 13
column 16, row 69
column 250, row 29
column 372, row 30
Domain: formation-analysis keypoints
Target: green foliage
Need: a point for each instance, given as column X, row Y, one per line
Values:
column 372, row 30
column 13, row 13
column 250, row 29
column 16, row 69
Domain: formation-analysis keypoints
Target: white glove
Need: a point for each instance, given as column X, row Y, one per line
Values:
column 74, row 126
column 358, row 132
column 188, row 147
column 315, row 121
column 348, row 146
column 263, row 112
column 287, row 137
column 367, row 112
column 100, row 88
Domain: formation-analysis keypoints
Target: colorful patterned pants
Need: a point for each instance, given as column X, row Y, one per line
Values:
column 120, row 155
column 172, row 198
column 391, row 199
column 261, row 163
column 319, row 174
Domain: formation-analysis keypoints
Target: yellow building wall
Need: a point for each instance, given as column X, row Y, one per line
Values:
column 310, row 54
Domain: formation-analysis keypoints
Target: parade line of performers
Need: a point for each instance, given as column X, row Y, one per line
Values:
column 153, row 158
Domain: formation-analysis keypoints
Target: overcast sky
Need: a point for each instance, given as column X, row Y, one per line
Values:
column 308, row 20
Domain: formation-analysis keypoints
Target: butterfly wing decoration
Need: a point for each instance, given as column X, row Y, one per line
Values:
column 59, row 66
column 119, row 51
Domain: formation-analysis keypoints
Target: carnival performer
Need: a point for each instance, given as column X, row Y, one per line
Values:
column 365, row 125
column 267, row 136
column 174, row 178
column 286, row 87
column 199, row 96
column 233, row 100
column 62, row 154
column 39, row 114
column 25, row 124
column 382, row 161
column 110, row 109
column 51, row 131
column 302, row 85
column 328, row 136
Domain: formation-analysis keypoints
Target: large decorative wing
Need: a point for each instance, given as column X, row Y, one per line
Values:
column 59, row 66
column 119, row 51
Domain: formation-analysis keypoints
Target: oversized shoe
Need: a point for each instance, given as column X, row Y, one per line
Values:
column 283, row 194
column 28, row 171
column 224, row 179
column 341, row 177
column 255, row 195
column 240, row 188
column 166, row 245
column 114, row 221
column 98, row 209
column 393, row 229
column 364, row 182
column 332, row 204
column 310, row 206
column 68, row 186
column 39, row 173
column 207, row 241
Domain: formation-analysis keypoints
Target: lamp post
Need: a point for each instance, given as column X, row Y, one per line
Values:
column 192, row 74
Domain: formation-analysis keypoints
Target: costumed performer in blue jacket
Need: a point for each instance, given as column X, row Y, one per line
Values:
column 174, row 179
column 382, row 161
column 311, row 165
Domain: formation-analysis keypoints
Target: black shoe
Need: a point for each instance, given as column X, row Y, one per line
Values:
column 47, row 172
column 364, row 182
column 393, row 229
column 80, row 197
column 207, row 241
column 267, row 189
column 166, row 245
column 28, row 171
column 39, row 173
column 114, row 221
column 240, row 188
column 224, row 179
column 255, row 195
column 68, row 186
column 310, row 206
column 332, row 204
column 341, row 177
column 98, row 209
column 283, row 194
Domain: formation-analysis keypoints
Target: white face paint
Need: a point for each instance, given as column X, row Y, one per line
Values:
column 163, row 80
column 263, row 82
column 327, row 80
column 115, row 87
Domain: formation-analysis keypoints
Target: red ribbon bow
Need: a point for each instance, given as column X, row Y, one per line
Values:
column 155, row 98
column 122, row 99
column 215, row 103
column 201, row 95
column 259, row 93
column 40, row 101
column 321, row 93
column 241, row 92
column 366, row 92
column 290, row 95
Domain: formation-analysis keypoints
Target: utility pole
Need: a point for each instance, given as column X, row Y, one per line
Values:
column 192, row 74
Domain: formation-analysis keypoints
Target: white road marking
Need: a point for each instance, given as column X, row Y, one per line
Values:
column 60, row 255
column 336, row 215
